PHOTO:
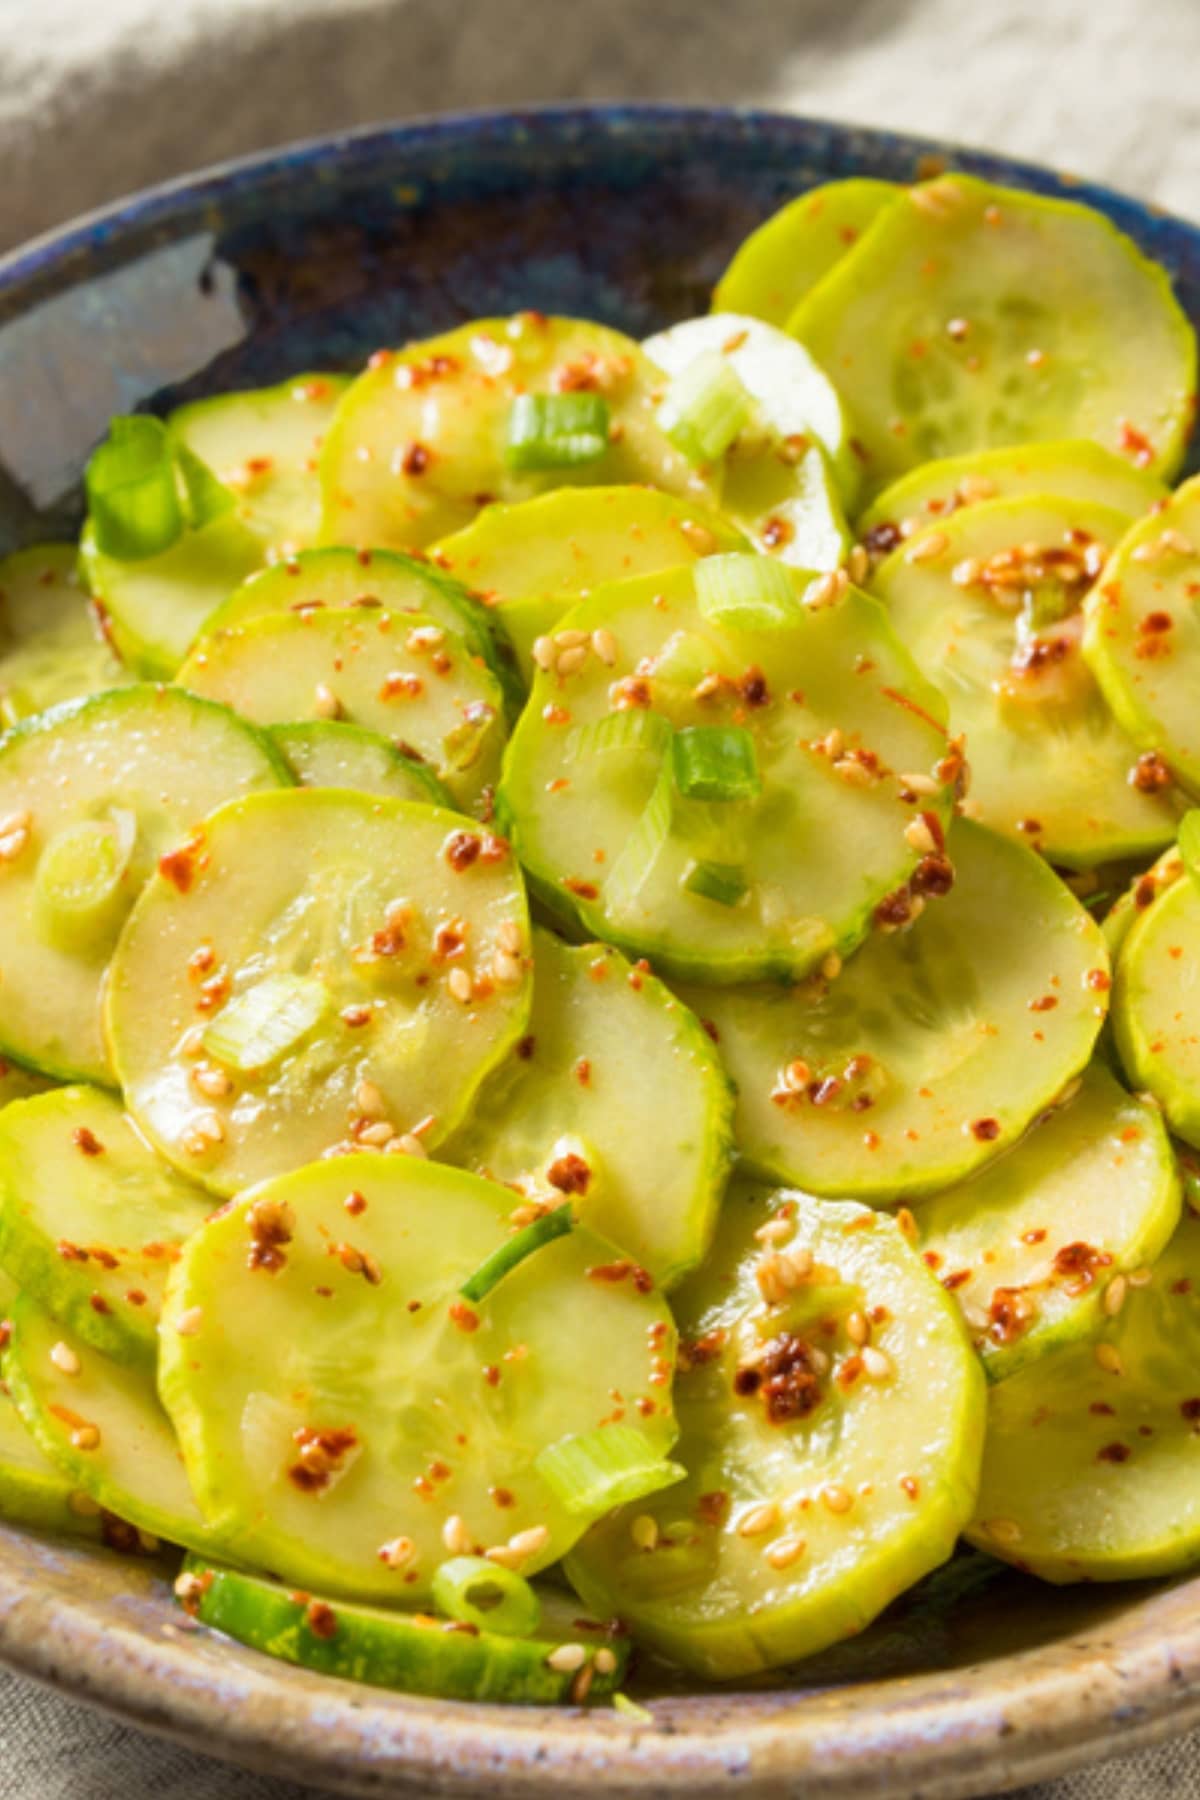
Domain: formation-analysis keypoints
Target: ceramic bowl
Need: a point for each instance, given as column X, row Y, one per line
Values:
column 314, row 256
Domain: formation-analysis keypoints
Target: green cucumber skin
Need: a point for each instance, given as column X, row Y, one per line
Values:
column 391, row 1651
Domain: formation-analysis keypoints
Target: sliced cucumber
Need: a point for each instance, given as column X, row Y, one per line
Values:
column 779, row 264
column 934, row 1048
column 264, row 443
column 1156, row 1013
column 33, row 1490
column 1075, row 470
column 988, row 604
column 417, row 445
column 399, row 930
column 329, row 753
column 533, row 561
column 352, row 1418
column 615, row 1097
column 775, row 480
column 135, row 768
column 1038, row 1245
column 90, row 1218
column 567, row 1659
column 424, row 693
column 101, row 1424
column 1142, row 640
column 155, row 608
column 831, row 1418
column 970, row 316
column 52, row 642
column 1089, row 1471
column 17, row 1083
column 1142, row 892
column 840, row 715
column 371, row 580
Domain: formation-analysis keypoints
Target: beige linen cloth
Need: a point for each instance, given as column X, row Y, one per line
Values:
column 101, row 96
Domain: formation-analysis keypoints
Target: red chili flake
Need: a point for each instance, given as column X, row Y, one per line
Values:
column 630, row 692
column 416, row 459
column 87, row 1141
column 526, row 1047
column 270, row 1224
column 1135, row 444
column 107, row 1260
column 493, row 849
column 785, row 1377
column 556, row 715
column 135, row 1297
column 202, row 959
column 502, row 1497
column 214, row 992
column 570, row 1174
column 985, row 1130
column 933, row 876
column 461, row 850
column 71, row 1252
column 1047, row 1003
column 693, row 1352
column 464, row 1316
column 1079, row 1263
column 179, row 866
column 321, row 1619
column 1037, row 1235
column 713, row 1509
column 959, row 1277
column 1155, row 622
column 1191, row 1411
column 1114, row 1453
column 622, row 1270
column 753, row 688
column 894, row 909
column 883, row 538
column 583, row 1072
column 1009, row 1315
column 355, row 1203
column 1102, row 1409
column 99, row 1304
column 1150, row 773
column 1099, row 980
column 1183, row 1286
column 933, row 1259
column 319, row 1454
column 777, row 532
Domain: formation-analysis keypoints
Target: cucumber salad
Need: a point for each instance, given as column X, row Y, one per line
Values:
column 600, row 971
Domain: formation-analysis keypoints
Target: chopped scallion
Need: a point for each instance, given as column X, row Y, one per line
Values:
column 1189, row 842
column 595, row 1470
column 632, row 728
column 642, row 848
column 746, row 592
column 131, row 490
column 204, row 497
column 705, row 408
column 556, row 431
column 78, row 892
column 476, row 1592
column 257, row 1027
column 715, row 762
column 503, row 1261
column 725, row 883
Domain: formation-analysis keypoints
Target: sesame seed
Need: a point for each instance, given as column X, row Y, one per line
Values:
column 567, row 1658
column 397, row 1553
column 85, row 1437
column 1114, row 1295
column 456, row 1536
column 797, row 1075
column 189, row 1322
column 973, row 488
column 918, row 837
column 931, row 544
column 785, row 1551
column 508, row 936
column 192, row 1041
column 425, row 637
column 189, row 1587
column 774, row 1231
column 858, row 564
column 605, row 646
column 701, row 539
column 570, row 640
column 758, row 1519
column 837, row 1498
column 831, row 966
column 406, row 1144
column 1177, row 543
column 571, row 661
column 15, row 821
column 376, row 1135
column 507, row 969
column 644, row 1531
column 459, row 984
column 12, row 843
column 852, row 772
column 1004, row 1531
column 826, row 589
column 1140, row 1278
column 214, row 1084
column 368, row 1098
column 1109, row 1359
column 531, row 1542
column 65, row 1359
column 832, row 744
column 919, row 784
column 543, row 652
column 604, row 1661
column 877, row 1364
column 858, row 1328
column 326, row 704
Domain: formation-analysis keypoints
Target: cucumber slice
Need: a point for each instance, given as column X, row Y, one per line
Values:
column 988, row 605
column 970, row 316
column 776, row 483
column 351, row 1418
column 841, row 716
column 264, row 444
column 33, row 1491
column 779, row 264
column 142, row 762
column 387, row 912
column 1075, row 470
column 533, row 561
column 615, row 1097
column 1142, row 892
column 372, row 579
column 328, row 753
column 1037, row 1245
column 1089, row 1471
column 568, row 1659
column 17, row 1083
column 1142, row 640
column 52, row 642
column 826, row 1473
column 101, row 1424
column 1156, row 1019
column 90, row 1218
column 933, row 1049
column 155, row 608
column 417, row 445
column 425, row 694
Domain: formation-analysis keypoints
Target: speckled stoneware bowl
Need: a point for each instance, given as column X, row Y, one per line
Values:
column 978, row 1681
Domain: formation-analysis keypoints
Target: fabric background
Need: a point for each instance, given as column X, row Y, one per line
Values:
column 101, row 96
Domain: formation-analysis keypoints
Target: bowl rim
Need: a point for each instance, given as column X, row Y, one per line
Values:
column 1017, row 1718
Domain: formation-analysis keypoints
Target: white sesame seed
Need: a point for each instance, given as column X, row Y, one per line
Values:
column 701, row 539
column 567, row 1658
column 189, row 1322
column 919, row 784
column 65, row 1359
column 826, row 589
column 605, row 646
column 508, row 936
column 507, row 969
column 571, row 640
column 858, row 1328
column 797, row 1075
column 836, row 1497
column 832, row 744
column 406, row 1144
column 1114, row 1295
column 973, row 488
column 926, row 547
column 831, row 966
column 397, row 1553
column 85, row 1437
column 189, row 1586
column 758, row 1519
column 858, row 564
column 571, row 661
column 877, row 1364
column 377, row 1135
column 918, row 837
column 1004, row 1531
column 853, row 772
column 12, row 844
column 326, row 704
column 1109, row 1359
column 425, row 637
column 543, row 652
column 1140, row 1278
column 785, row 1551
column 15, row 821
column 644, row 1531
column 604, row 1661
column 459, row 984
column 531, row 1542
column 368, row 1098
column 1177, row 543
column 456, row 1535
column 214, row 1084
column 774, row 1231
